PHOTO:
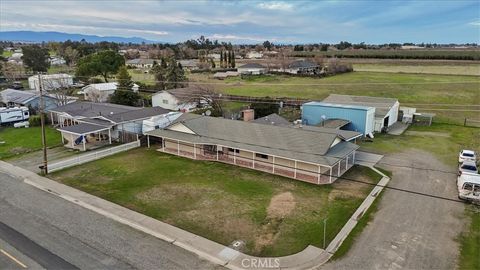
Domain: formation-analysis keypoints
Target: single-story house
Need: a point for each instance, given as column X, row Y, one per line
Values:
column 252, row 68
column 140, row 63
column 50, row 81
column 386, row 109
column 313, row 157
column 88, row 125
column 12, row 97
column 104, row 90
column 359, row 118
column 254, row 55
column 303, row 67
column 57, row 61
column 179, row 99
column 189, row 64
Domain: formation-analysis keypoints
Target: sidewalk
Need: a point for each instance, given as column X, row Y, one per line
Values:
column 216, row 253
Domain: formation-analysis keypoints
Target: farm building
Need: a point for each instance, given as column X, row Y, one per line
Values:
column 386, row 109
column 252, row 68
column 88, row 125
column 314, row 157
column 355, row 117
column 50, row 81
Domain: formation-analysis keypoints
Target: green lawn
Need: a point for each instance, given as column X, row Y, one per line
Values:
column 443, row 140
column 465, row 69
column 7, row 54
column 18, row 141
column 470, row 240
column 224, row 202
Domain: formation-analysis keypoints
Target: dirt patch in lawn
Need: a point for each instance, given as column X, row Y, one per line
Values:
column 281, row 205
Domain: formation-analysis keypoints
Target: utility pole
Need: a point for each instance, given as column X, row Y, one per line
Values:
column 42, row 123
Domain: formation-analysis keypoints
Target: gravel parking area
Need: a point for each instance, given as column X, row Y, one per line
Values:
column 411, row 231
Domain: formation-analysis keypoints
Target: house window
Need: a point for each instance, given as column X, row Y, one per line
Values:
column 261, row 156
column 25, row 113
column 234, row 150
column 165, row 101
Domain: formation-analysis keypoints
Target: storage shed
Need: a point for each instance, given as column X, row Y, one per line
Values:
column 361, row 118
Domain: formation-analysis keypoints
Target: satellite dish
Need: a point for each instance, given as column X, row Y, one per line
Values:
column 208, row 113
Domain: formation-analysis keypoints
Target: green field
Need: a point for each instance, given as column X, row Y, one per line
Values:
column 425, row 68
column 274, row 215
column 17, row 141
column 453, row 54
column 470, row 239
column 7, row 54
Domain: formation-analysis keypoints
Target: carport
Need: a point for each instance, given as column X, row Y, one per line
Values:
column 97, row 132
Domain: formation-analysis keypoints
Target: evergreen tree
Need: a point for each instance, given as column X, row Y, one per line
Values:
column 174, row 75
column 124, row 79
column 212, row 63
column 221, row 59
column 233, row 59
column 225, row 57
column 158, row 72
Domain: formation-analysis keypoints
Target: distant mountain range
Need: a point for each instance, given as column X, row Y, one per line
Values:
column 36, row 37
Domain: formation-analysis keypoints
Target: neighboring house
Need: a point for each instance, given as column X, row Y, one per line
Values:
column 189, row 64
column 359, row 118
column 103, row 91
column 12, row 97
column 179, row 99
column 386, row 109
column 88, row 125
column 224, row 75
column 16, row 58
column 140, row 63
column 214, row 56
column 303, row 67
column 50, row 81
column 254, row 55
column 313, row 157
column 57, row 61
column 252, row 68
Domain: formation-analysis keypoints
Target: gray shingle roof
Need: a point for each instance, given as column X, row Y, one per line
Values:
column 269, row 139
column 252, row 65
column 303, row 64
column 91, row 109
column 83, row 128
column 272, row 119
column 136, row 114
column 382, row 105
column 16, row 96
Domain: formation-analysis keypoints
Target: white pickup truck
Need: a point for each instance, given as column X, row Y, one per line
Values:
column 468, row 185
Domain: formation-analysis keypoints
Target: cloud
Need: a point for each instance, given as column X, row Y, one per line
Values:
column 235, row 37
column 474, row 23
column 276, row 5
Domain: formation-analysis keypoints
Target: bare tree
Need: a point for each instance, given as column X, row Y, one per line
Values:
column 97, row 96
column 13, row 71
column 59, row 87
column 204, row 95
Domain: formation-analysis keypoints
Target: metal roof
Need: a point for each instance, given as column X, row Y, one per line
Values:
column 136, row 114
column 82, row 128
column 274, row 140
column 382, row 105
column 334, row 123
column 337, row 105
column 252, row 65
column 17, row 96
column 302, row 64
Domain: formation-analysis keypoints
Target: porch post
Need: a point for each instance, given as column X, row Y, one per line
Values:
column 73, row 143
column 163, row 144
column 84, row 147
column 319, row 170
column 253, row 160
column 109, row 136
column 273, row 164
column 194, row 151
column 330, row 175
column 234, row 156
column 51, row 118
column 216, row 148
column 63, row 140
column 295, row 170
column 354, row 157
column 178, row 147
column 339, row 165
column 148, row 141
column 346, row 163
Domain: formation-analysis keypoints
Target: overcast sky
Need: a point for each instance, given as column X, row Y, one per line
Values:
column 440, row 21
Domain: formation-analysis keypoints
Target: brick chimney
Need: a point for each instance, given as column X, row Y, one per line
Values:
column 248, row 115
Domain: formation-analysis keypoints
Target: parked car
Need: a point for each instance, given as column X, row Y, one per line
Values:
column 468, row 185
column 467, row 166
column 467, row 155
column 17, row 85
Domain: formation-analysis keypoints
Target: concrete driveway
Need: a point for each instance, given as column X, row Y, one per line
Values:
column 410, row 231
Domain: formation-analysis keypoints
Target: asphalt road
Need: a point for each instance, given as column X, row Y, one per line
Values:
column 44, row 231
column 410, row 231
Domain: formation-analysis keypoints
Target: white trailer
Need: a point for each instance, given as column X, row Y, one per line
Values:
column 13, row 115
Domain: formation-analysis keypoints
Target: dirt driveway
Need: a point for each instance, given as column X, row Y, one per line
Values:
column 32, row 160
column 410, row 231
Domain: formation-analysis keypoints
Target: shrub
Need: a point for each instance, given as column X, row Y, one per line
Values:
column 34, row 120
